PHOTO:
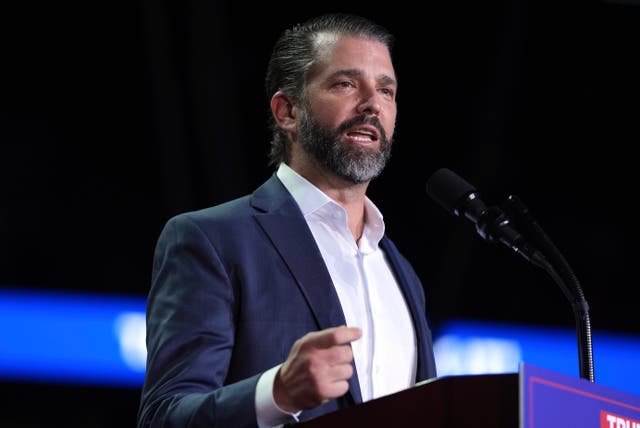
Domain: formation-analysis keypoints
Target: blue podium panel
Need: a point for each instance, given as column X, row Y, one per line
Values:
column 549, row 399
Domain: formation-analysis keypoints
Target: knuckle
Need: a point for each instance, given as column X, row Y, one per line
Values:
column 348, row 371
column 335, row 336
column 305, row 342
column 300, row 343
column 323, row 391
column 314, row 363
column 345, row 355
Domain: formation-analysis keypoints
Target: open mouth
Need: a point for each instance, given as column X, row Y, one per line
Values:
column 363, row 134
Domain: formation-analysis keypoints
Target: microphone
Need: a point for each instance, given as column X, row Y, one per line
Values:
column 461, row 199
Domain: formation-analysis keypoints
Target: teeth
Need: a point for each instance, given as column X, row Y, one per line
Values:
column 355, row 137
column 363, row 135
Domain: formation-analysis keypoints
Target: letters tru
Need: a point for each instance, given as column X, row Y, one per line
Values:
column 607, row 420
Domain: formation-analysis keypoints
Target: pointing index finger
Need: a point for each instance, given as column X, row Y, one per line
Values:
column 335, row 336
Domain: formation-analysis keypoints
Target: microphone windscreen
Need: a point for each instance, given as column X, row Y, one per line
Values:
column 448, row 189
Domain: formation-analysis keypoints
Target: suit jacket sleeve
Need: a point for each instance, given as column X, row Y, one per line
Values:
column 190, row 337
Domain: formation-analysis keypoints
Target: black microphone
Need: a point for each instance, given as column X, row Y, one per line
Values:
column 461, row 199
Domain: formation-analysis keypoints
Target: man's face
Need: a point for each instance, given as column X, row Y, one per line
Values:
column 349, row 116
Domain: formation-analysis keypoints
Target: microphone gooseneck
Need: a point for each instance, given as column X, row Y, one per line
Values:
column 567, row 280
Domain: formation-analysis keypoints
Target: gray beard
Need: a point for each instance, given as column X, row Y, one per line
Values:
column 355, row 164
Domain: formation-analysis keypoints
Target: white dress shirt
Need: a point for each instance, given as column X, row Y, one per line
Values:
column 385, row 356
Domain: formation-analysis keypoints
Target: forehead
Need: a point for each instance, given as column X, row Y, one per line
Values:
column 336, row 53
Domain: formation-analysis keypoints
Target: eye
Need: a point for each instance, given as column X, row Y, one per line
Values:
column 344, row 84
column 387, row 92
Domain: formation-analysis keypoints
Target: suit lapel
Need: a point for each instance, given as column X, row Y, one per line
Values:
column 425, row 361
column 300, row 253
column 282, row 221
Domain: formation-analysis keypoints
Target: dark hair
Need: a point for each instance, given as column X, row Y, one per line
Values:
column 296, row 51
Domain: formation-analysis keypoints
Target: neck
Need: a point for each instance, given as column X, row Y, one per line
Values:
column 348, row 195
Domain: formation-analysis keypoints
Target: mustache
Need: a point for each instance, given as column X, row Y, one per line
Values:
column 363, row 120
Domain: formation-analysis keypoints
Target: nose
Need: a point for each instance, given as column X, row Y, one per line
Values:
column 370, row 103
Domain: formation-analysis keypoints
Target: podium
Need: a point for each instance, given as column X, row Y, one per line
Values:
column 532, row 398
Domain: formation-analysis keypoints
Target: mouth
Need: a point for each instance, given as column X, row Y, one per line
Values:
column 363, row 134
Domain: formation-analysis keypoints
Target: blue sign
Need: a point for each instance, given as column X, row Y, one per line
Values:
column 98, row 339
column 55, row 337
column 474, row 347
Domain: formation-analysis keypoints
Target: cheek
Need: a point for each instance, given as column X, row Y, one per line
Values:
column 329, row 114
column 389, row 123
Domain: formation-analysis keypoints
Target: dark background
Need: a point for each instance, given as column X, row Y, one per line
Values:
column 116, row 116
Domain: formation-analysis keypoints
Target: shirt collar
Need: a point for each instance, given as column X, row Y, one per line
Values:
column 308, row 196
column 310, row 199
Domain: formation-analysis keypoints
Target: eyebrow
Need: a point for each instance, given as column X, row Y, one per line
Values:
column 354, row 73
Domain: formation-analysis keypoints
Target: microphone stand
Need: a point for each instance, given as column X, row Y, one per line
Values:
column 560, row 271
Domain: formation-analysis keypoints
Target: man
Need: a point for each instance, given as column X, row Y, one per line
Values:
column 291, row 302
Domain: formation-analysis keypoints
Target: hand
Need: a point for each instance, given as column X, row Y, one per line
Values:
column 318, row 369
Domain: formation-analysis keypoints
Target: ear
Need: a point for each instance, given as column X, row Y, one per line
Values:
column 284, row 111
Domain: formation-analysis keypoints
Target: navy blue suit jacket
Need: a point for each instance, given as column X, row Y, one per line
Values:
column 233, row 287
